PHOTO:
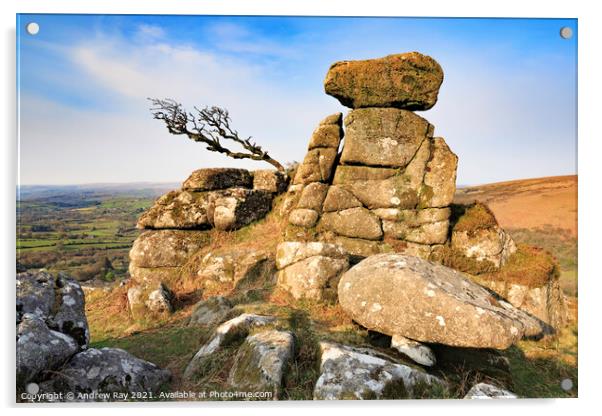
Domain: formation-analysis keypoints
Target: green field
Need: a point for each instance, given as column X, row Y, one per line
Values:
column 87, row 235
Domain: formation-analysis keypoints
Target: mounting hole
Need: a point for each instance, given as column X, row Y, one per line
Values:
column 32, row 28
column 566, row 32
column 566, row 384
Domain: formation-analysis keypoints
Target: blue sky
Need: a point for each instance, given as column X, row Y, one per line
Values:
column 507, row 105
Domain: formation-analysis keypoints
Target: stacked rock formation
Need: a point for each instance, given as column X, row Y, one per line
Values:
column 390, row 188
column 176, row 226
column 391, row 185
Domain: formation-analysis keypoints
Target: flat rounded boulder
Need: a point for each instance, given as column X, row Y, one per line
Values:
column 408, row 81
column 404, row 295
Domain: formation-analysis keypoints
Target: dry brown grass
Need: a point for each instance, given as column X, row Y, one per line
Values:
column 529, row 266
column 529, row 203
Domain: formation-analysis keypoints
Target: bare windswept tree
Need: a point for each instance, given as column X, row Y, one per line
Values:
column 211, row 126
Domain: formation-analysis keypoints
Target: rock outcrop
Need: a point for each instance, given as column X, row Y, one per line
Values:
column 52, row 341
column 403, row 295
column 220, row 198
column 101, row 374
column 391, row 185
column 362, row 373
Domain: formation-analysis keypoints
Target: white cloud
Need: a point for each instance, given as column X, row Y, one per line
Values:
column 126, row 143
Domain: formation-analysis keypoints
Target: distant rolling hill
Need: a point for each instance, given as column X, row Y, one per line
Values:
column 529, row 203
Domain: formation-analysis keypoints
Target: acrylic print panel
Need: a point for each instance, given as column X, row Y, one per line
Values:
column 295, row 208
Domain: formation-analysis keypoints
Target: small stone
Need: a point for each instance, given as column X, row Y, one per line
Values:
column 417, row 352
column 488, row 391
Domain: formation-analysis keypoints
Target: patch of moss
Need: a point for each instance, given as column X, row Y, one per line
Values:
column 472, row 218
column 454, row 259
column 528, row 266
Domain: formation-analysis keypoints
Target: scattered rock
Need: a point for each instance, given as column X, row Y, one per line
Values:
column 40, row 349
column 417, row 352
column 382, row 137
column 408, row 80
column 228, row 332
column 269, row 180
column 362, row 373
column 107, row 370
column 489, row 391
column 261, row 362
column 211, row 311
column 218, row 178
column 405, row 295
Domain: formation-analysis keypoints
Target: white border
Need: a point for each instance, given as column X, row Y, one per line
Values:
column 588, row 167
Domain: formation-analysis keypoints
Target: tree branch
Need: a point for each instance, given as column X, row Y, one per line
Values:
column 209, row 126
